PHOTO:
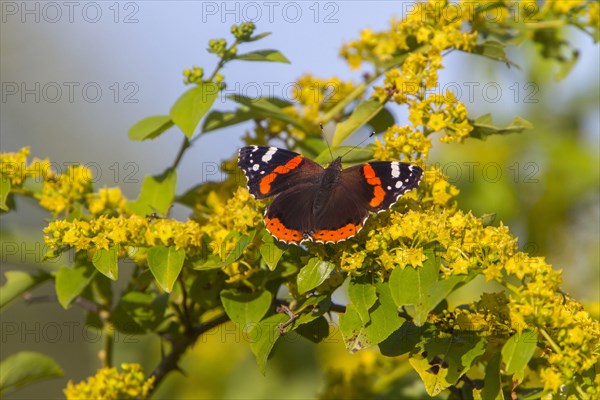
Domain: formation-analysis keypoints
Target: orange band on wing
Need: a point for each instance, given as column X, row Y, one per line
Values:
column 373, row 180
column 265, row 183
column 280, row 232
column 336, row 235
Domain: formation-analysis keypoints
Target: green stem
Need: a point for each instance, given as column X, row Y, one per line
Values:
column 550, row 341
column 109, row 339
column 187, row 143
column 184, row 146
column 22, row 191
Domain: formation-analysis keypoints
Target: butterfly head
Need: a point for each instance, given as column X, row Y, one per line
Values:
column 336, row 164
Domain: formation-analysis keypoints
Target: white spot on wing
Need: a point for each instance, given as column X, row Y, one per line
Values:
column 398, row 184
column 255, row 167
column 389, row 188
column 395, row 170
column 269, row 154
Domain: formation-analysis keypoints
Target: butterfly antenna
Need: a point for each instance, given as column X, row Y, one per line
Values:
column 325, row 138
column 364, row 140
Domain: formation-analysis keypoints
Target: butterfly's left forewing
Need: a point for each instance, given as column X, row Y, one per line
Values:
column 271, row 170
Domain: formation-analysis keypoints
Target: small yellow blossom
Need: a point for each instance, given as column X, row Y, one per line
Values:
column 109, row 384
column 106, row 200
column 61, row 194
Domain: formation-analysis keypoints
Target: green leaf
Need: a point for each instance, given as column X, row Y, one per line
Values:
column 482, row 127
column 166, row 264
column 492, row 385
column 156, row 195
column 147, row 310
column 70, row 282
column 494, row 50
column 26, row 367
column 221, row 119
column 150, row 127
column 410, row 287
column 362, row 295
column 361, row 115
column 518, row 350
column 206, row 288
column 189, row 109
column 488, row 219
column 258, row 37
column 440, row 362
column 263, row 337
column 382, row 121
column 313, row 274
column 263, row 55
column 312, row 308
column 270, row 108
column 5, row 187
column 17, row 283
column 384, row 320
column 439, row 290
column 316, row 330
column 230, row 256
column 270, row 251
column 246, row 309
column 107, row 262
column 403, row 340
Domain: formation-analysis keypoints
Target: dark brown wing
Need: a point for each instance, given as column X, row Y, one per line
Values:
column 289, row 217
column 270, row 170
column 342, row 217
column 380, row 184
column 368, row 187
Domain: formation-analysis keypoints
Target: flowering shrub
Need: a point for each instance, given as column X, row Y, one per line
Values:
column 527, row 340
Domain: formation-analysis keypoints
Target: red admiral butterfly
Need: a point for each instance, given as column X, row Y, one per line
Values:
column 324, row 205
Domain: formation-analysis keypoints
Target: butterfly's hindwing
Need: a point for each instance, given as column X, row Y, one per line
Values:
column 342, row 217
column 289, row 217
column 271, row 170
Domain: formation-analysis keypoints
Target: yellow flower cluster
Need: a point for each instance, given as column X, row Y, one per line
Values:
column 60, row 193
column 109, row 384
column 571, row 8
column 106, row 201
column 240, row 213
column 573, row 336
column 421, row 37
column 14, row 167
column 402, row 143
column 313, row 97
column 122, row 231
column 434, row 26
column 441, row 113
column 66, row 191
column 397, row 239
